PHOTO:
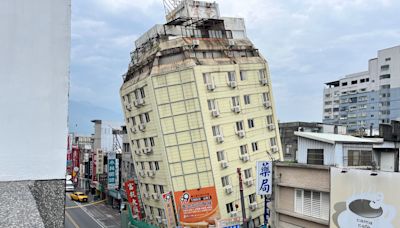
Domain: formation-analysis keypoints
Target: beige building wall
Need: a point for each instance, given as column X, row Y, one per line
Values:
column 288, row 178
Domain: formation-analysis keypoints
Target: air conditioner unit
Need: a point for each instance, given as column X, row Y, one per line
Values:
column 138, row 152
column 165, row 221
column 219, row 138
column 151, row 173
column 241, row 133
column 263, row 81
column 139, row 102
column 236, row 109
column 233, row 213
column 232, row 84
column 128, row 107
column 195, row 43
column 267, row 104
column 133, row 129
column 146, row 195
column 155, row 196
column 150, row 216
column 142, row 173
column 142, row 127
column 210, row 86
column 149, row 150
column 253, row 206
column 224, row 164
column 271, row 127
column 249, row 182
column 245, row 157
column 231, row 43
column 274, row 149
column 228, row 189
column 215, row 113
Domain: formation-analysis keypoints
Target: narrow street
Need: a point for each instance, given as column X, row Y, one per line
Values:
column 90, row 215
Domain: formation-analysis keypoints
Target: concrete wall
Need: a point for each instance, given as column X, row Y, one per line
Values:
column 34, row 80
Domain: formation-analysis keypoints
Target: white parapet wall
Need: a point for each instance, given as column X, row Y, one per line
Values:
column 34, row 81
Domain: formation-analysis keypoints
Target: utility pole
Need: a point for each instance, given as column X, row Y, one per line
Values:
column 242, row 198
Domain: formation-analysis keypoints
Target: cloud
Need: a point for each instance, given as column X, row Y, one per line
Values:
column 118, row 6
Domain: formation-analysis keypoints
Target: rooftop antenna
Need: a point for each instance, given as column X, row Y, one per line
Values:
column 170, row 5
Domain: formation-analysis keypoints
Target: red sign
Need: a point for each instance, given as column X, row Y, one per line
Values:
column 94, row 178
column 133, row 199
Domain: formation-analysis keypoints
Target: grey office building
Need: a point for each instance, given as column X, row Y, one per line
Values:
column 363, row 100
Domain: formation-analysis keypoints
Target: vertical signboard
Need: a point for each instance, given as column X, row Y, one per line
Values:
column 94, row 168
column 359, row 199
column 197, row 205
column 111, row 170
column 264, row 178
column 169, row 209
column 133, row 199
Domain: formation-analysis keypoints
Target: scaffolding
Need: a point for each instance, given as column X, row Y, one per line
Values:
column 170, row 5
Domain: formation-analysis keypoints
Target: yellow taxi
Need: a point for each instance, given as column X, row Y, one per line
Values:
column 79, row 196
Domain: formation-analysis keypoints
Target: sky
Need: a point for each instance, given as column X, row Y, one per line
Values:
column 306, row 43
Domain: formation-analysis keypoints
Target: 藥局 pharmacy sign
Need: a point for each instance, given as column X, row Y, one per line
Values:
column 264, row 178
column 359, row 199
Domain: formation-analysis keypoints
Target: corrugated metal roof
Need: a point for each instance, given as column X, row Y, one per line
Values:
column 334, row 138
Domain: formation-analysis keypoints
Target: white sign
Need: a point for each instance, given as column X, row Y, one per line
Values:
column 264, row 178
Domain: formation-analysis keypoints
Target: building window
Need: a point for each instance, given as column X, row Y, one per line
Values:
column 384, row 67
column 147, row 187
column 243, row 75
column 385, row 76
column 265, row 97
column 216, row 131
column 387, row 59
column 354, row 82
column 160, row 212
column 221, row 155
column 312, row 203
column 252, row 198
column 151, row 165
column 262, row 74
column 212, row 105
column 344, row 83
column 315, row 156
column 359, row 158
column 257, row 222
column 155, row 188
column 225, row 181
column 247, row 173
column 250, row 123
column 235, row 101
column 239, row 126
column 272, row 141
column 243, row 149
column 206, row 78
column 161, row 189
column 157, row 165
column 231, row 76
column 269, row 119
column 229, row 207
column 254, row 146
column 246, row 99
column 151, row 210
column 151, row 139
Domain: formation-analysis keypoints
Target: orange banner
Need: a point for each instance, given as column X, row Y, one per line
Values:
column 197, row 207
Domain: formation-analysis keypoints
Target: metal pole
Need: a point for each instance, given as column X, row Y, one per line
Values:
column 265, row 211
column 242, row 198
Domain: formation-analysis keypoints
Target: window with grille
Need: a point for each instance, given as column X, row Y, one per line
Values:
column 235, row 101
column 216, row 130
column 315, row 156
column 250, row 123
column 231, row 76
column 220, row 155
column 247, row 173
column 225, row 181
column 312, row 203
column 246, row 99
column 269, row 119
column 157, row 165
column 243, row 75
column 243, row 149
column 262, row 74
column 229, row 207
column 252, row 198
column 265, row 97
column 359, row 158
column 272, row 141
column 254, row 146
column 211, row 105
column 239, row 125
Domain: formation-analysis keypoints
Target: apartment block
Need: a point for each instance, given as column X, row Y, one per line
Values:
column 363, row 100
column 198, row 104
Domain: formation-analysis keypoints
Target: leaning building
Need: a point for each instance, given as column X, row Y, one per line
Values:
column 198, row 104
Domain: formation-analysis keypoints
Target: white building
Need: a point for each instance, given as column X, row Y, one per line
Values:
column 366, row 99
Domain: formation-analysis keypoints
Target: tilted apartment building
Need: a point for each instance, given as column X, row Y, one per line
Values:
column 198, row 104
column 366, row 99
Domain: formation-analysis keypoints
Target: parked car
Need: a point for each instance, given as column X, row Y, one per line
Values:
column 79, row 196
column 69, row 186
